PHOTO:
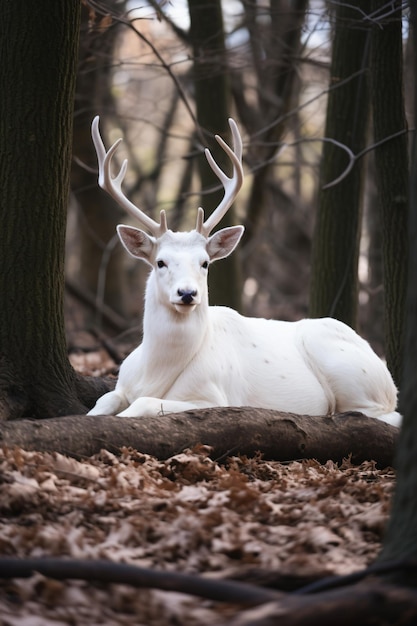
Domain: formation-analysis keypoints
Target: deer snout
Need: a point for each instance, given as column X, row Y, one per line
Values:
column 187, row 295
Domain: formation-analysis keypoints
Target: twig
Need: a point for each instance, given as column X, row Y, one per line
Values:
column 113, row 318
column 123, row 20
column 102, row 275
column 353, row 158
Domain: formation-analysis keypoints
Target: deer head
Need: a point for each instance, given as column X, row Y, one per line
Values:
column 180, row 260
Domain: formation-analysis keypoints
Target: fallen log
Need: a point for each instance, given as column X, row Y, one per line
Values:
column 228, row 431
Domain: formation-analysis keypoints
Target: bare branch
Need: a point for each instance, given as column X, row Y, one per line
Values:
column 122, row 573
column 124, row 20
column 353, row 158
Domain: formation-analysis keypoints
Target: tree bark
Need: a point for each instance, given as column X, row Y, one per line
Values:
column 401, row 536
column 366, row 604
column 228, row 431
column 98, row 214
column 276, row 60
column 38, row 48
column 391, row 160
column 334, row 282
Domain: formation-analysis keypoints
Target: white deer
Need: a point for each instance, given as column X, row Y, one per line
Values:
column 194, row 355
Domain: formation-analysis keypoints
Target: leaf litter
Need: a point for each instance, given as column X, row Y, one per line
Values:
column 244, row 519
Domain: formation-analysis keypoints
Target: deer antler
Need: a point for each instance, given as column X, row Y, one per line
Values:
column 231, row 185
column 113, row 186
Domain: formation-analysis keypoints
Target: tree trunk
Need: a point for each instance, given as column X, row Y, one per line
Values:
column 401, row 536
column 373, row 603
column 391, row 160
column 334, row 283
column 212, row 97
column 38, row 48
column 372, row 315
column 228, row 431
column 98, row 214
column 277, row 93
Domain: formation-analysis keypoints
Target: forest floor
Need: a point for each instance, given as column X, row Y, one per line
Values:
column 245, row 519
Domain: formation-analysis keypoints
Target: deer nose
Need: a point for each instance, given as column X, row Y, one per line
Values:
column 186, row 295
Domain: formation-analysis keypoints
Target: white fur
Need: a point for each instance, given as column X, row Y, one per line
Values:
column 194, row 355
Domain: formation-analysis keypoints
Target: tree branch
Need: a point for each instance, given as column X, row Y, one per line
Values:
column 370, row 602
column 121, row 573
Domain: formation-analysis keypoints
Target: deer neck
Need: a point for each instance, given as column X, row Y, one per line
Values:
column 176, row 337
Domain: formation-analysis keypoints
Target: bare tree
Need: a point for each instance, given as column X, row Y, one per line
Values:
column 212, row 97
column 391, row 158
column 401, row 536
column 334, row 282
column 96, row 215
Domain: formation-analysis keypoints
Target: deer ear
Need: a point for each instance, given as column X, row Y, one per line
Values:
column 137, row 242
column 222, row 243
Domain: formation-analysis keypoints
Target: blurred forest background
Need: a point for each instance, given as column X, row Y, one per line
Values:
column 165, row 76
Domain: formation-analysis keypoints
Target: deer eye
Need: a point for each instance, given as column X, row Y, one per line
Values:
column 161, row 263
column 204, row 265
